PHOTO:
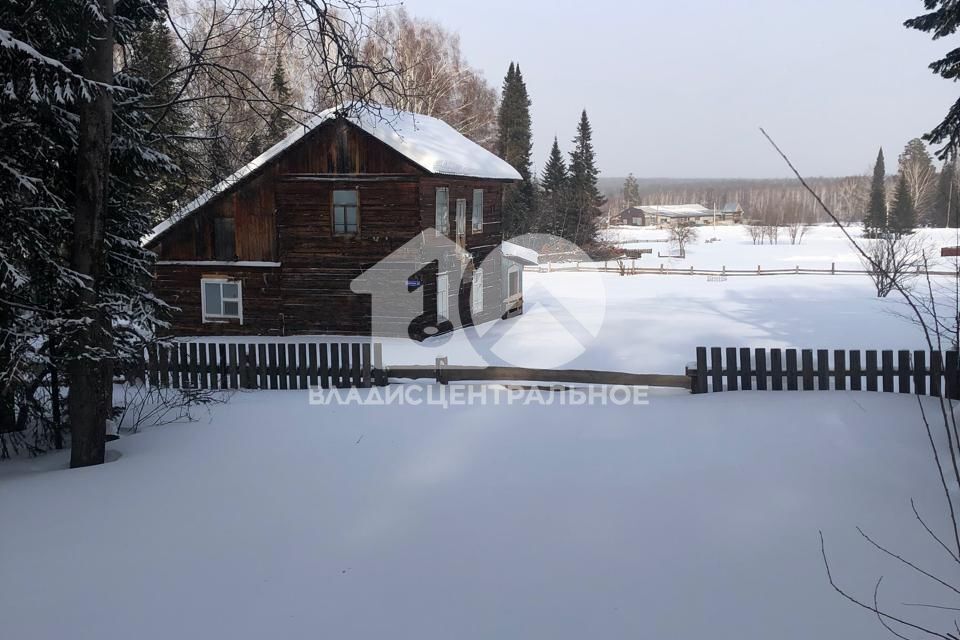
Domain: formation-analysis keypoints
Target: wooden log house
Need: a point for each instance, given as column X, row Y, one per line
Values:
column 273, row 249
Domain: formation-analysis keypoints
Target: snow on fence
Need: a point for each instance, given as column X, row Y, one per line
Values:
column 265, row 365
column 629, row 267
column 808, row 370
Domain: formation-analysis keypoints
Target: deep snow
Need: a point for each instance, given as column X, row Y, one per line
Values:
column 688, row 517
column 691, row 517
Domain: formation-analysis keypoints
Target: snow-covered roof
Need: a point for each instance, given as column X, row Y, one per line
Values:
column 676, row 210
column 519, row 254
column 428, row 142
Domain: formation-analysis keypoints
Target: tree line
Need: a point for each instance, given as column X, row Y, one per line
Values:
column 917, row 195
column 565, row 199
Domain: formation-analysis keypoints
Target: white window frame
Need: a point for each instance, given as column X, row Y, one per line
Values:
column 461, row 219
column 443, row 297
column 510, row 270
column 212, row 317
column 476, row 292
column 476, row 221
column 442, row 222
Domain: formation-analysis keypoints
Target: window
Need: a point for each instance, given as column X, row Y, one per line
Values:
column 443, row 211
column 461, row 219
column 221, row 300
column 345, row 212
column 477, row 218
column 476, row 294
column 224, row 239
column 513, row 282
column 443, row 297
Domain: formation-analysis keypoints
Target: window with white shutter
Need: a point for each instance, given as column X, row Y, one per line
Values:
column 477, row 218
column 476, row 293
column 442, row 224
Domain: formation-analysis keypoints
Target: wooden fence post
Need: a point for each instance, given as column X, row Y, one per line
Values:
column 806, row 357
column 856, row 373
column 731, row 369
column 919, row 373
column 950, row 375
column 886, row 358
column 791, row 370
column 823, row 369
column 716, row 368
column 871, row 370
column 903, row 371
column 936, row 373
column 698, row 381
column 760, row 356
column 746, row 370
column 839, row 369
column 776, row 369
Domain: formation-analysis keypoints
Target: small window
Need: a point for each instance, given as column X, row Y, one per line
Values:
column 443, row 211
column 461, row 217
column 513, row 282
column 476, row 293
column 477, row 218
column 224, row 239
column 221, row 300
column 443, row 297
column 345, row 212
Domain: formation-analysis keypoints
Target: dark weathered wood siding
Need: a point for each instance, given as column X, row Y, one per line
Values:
column 283, row 214
column 179, row 286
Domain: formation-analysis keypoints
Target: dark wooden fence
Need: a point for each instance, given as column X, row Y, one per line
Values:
column 264, row 365
column 932, row 373
column 444, row 373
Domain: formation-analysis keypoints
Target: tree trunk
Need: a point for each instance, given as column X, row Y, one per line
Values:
column 88, row 365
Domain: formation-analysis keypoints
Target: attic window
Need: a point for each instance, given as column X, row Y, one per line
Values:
column 224, row 239
column 345, row 212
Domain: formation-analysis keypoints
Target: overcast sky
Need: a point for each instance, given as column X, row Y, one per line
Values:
column 678, row 87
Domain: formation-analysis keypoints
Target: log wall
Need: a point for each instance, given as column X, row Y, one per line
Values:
column 283, row 213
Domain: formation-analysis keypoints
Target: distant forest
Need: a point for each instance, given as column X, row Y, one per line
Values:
column 782, row 199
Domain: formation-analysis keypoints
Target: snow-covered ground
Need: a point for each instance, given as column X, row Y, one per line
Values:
column 653, row 323
column 820, row 246
column 691, row 517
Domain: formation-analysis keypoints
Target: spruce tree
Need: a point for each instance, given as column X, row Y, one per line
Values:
column 515, row 145
column 943, row 20
column 945, row 203
column 631, row 191
column 903, row 215
column 585, row 197
column 82, row 152
column 555, row 175
column 279, row 122
column 875, row 219
column 156, row 59
column 554, row 188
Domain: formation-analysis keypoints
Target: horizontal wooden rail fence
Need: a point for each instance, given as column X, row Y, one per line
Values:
column 445, row 373
column 932, row 373
column 264, row 365
column 630, row 268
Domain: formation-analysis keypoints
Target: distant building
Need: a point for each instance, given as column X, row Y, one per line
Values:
column 670, row 214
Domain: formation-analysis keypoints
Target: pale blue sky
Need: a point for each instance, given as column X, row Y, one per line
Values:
column 678, row 87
